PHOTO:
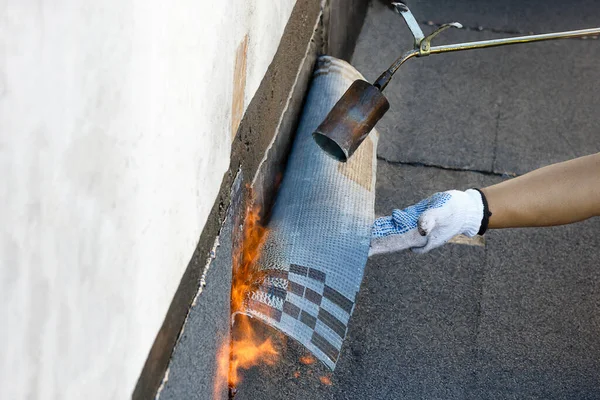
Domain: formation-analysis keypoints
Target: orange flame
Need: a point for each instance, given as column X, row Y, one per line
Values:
column 325, row 380
column 246, row 275
column 307, row 359
column 222, row 370
column 248, row 349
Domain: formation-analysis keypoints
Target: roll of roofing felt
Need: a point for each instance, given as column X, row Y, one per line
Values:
column 319, row 232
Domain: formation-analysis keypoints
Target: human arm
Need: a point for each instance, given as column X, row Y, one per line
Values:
column 554, row 195
column 558, row 194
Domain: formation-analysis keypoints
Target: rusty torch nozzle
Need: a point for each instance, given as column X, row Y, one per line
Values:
column 350, row 120
column 359, row 109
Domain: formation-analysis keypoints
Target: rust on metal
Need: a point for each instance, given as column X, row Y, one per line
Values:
column 350, row 120
column 359, row 109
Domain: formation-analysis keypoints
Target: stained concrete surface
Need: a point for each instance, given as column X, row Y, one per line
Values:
column 518, row 318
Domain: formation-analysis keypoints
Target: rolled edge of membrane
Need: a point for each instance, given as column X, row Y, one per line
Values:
column 319, row 231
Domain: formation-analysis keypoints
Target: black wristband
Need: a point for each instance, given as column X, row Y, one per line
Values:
column 485, row 221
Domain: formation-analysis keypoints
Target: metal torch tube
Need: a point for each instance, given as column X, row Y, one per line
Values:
column 513, row 40
column 385, row 78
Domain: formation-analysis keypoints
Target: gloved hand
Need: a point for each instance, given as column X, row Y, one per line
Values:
column 429, row 223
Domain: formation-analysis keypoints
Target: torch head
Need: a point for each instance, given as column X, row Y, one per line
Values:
column 350, row 120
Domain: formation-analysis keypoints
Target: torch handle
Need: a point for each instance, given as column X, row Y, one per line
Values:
column 424, row 49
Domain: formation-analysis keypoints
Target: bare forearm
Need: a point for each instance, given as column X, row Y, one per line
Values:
column 554, row 195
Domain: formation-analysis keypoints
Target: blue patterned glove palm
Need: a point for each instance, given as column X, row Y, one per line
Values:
column 428, row 224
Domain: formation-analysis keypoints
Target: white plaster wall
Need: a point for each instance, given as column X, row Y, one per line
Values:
column 115, row 133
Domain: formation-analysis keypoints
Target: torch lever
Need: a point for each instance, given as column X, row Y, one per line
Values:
column 412, row 23
column 422, row 43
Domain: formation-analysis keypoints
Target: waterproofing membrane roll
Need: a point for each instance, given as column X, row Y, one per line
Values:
column 319, row 232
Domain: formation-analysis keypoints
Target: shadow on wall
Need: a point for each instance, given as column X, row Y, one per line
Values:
column 345, row 19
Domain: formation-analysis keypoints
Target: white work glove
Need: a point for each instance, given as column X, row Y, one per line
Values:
column 429, row 223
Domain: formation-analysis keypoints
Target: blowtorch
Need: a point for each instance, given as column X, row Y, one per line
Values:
column 363, row 105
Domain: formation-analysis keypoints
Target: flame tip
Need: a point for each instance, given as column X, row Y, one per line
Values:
column 248, row 350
